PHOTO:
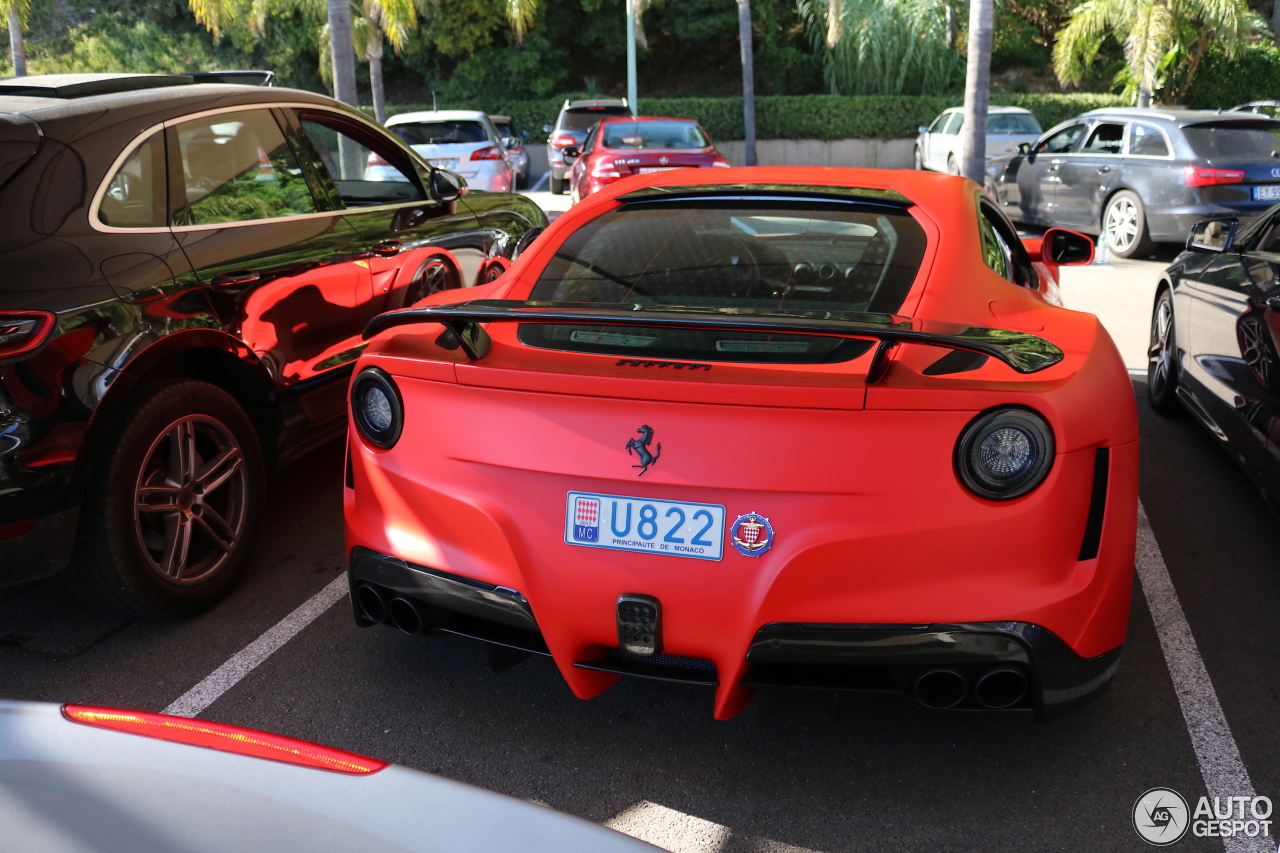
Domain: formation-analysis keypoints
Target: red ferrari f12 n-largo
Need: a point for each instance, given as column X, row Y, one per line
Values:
column 774, row 427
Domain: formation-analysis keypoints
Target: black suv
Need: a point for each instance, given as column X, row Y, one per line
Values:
column 570, row 129
column 188, row 268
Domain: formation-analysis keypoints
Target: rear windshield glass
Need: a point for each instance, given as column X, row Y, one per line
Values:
column 768, row 256
column 1235, row 139
column 583, row 119
column 654, row 134
column 1013, row 123
column 440, row 132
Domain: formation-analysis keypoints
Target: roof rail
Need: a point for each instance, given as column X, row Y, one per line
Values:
column 89, row 85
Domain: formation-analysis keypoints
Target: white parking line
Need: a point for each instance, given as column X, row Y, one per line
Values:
column 545, row 177
column 244, row 661
column 1216, row 751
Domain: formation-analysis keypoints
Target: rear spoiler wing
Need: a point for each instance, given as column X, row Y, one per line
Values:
column 1023, row 352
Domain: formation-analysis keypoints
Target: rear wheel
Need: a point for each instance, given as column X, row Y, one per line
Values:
column 522, row 182
column 953, row 168
column 436, row 275
column 1125, row 224
column 917, row 159
column 1162, row 357
column 173, row 506
column 557, row 185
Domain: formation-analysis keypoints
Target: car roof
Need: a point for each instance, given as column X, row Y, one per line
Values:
column 630, row 119
column 167, row 98
column 1177, row 117
column 438, row 115
column 995, row 110
column 596, row 102
column 499, row 119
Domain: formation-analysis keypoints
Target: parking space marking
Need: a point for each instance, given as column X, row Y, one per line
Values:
column 1216, row 751
column 243, row 662
column 545, row 177
column 669, row 829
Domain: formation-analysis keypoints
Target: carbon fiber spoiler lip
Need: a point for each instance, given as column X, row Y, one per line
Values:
column 1025, row 353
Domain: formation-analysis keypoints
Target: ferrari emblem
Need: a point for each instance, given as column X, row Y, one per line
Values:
column 751, row 534
column 663, row 161
column 640, row 447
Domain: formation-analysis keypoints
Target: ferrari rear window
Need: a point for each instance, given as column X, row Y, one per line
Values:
column 764, row 255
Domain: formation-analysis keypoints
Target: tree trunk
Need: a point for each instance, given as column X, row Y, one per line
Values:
column 835, row 24
column 18, row 47
column 748, row 83
column 1144, row 95
column 375, row 77
column 977, row 91
column 342, row 51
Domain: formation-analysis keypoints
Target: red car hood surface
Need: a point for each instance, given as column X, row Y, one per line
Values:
column 872, row 524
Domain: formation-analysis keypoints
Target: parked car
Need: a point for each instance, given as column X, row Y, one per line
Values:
column 79, row 778
column 572, row 124
column 769, row 427
column 514, row 144
column 462, row 141
column 188, row 268
column 1143, row 176
column 1215, row 341
column 940, row 146
column 1269, row 109
column 617, row 148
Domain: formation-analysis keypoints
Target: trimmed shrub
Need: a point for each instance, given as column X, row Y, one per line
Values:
column 1222, row 83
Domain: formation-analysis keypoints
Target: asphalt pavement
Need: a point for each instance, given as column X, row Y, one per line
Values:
column 796, row 771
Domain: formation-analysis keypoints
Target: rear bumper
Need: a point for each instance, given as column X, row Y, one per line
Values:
column 41, row 551
column 834, row 657
column 1173, row 225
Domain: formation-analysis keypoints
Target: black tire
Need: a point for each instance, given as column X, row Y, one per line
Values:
column 953, row 168
column 557, row 185
column 1162, row 356
column 522, row 182
column 917, row 160
column 434, row 276
column 172, row 508
column 1125, row 223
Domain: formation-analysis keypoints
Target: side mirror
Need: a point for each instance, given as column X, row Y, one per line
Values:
column 1213, row 235
column 447, row 186
column 1063, row 248
column 512, row 143
column 924, row 128
column 1024, row 148
column 546, row 128
column 570, row 153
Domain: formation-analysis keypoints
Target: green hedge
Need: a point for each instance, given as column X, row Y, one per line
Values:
column 804, row 116
column 1222, row 83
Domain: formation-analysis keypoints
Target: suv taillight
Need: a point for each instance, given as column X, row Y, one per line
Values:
column 1199, row 176
column 562, row 141
column 492, row 152
column 24, row 332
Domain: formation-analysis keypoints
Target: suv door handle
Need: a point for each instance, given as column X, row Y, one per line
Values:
column 388, row 248
column 230, row 279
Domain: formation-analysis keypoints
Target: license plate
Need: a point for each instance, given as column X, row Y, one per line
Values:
column 644, row 170
column 451, row 165
column 1270, row 192
column 670, row 528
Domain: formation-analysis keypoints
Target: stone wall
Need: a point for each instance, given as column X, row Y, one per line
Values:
column 869, row 153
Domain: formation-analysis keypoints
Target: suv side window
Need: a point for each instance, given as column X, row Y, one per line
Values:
column 237, row 167
column 1002, row 251
column 135, row 196
column 365, row 169
column 1062, row 141
column 1147, row 141
column 939, row 123
column 1107, row 138
column 957, row 121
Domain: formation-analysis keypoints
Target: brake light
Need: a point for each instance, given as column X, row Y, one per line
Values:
column 24, row 332
column 492, row 152
column 604, row 168
column 375, row 160
column 1199, row 176
column 563, row 141
column 224, row 738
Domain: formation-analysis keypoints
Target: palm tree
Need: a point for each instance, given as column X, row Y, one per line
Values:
column 977, row 91
column 16, row 12
column 1154, row 33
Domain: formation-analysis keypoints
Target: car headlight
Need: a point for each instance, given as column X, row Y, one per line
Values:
column 376, row 407
column 1004, row 453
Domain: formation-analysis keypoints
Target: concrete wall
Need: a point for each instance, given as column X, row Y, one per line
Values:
column 867, row 153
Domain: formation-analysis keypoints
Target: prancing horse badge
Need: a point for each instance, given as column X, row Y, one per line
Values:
column 640, row 447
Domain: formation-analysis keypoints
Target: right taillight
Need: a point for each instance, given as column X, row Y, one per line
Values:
column 563, row 141
column 1004, row 453
column 1202, row 176
column 24, row 332
column 376, row 408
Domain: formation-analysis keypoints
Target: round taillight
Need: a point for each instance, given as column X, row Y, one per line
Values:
column 376, row 407
column 1004, row 453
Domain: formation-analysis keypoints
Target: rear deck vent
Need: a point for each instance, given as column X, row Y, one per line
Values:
column 1097, row 504
column 639, row 624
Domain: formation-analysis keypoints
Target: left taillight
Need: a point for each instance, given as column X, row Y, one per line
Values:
column 24, row 332
column 492, row 152
column 224, row 738
column 376, row 408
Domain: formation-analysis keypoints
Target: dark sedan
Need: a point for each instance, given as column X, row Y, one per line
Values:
column 1214, row 335
column 188, row 268
column 1142, row 176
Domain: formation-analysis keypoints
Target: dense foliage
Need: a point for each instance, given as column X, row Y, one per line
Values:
column 1254, row 75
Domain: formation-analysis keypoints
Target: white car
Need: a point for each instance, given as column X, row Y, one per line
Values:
column 462, row 141
column 940, row 146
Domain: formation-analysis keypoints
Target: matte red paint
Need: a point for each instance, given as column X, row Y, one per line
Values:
column 872, row 523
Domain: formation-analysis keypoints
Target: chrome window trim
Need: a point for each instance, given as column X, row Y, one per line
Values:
column 97, row 224
column 1128, row 139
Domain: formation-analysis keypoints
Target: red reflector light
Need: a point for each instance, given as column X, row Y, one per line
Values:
column 17, row 528
column 563, row 141
column 224, row 738
column 1199, row 176
column 492, row 152
column 375, row 160
column 22, row 332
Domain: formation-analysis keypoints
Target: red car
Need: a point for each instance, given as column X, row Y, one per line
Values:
column 618, row 148
column 770, row 427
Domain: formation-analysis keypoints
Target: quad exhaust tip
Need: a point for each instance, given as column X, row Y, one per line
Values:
column 406, row 616
column 372, row 603
column 940, row 688
column 1000, row 687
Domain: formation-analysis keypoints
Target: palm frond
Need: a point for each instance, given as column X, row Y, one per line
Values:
column 520, row 15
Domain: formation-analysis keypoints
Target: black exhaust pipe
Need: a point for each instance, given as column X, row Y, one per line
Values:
column 1000, row 687
column 373, row 604
column 406, row 616
column 940, row 688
